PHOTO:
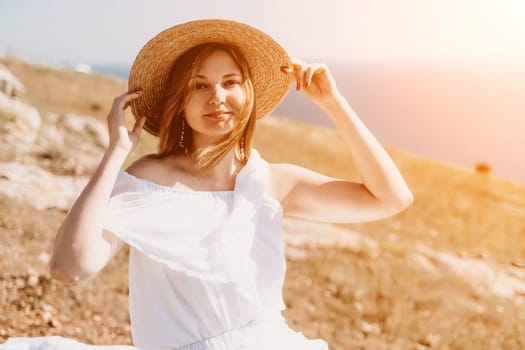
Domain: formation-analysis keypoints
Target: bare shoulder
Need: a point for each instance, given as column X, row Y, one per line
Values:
column 166, row 171
column 148, row 168
column 287, row 174
column 283, row 177
column 294, row 186
column 276, row 170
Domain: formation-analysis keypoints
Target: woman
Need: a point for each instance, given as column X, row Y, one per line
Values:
column 203, row 215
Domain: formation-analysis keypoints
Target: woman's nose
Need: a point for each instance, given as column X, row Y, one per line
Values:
column 217, row 95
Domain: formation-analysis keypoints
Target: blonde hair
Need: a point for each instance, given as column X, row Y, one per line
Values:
column 172, row 118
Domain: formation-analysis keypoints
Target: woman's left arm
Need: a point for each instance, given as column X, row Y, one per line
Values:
column 307, row 194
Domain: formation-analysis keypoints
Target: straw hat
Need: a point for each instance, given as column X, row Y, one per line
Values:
column 152, row 66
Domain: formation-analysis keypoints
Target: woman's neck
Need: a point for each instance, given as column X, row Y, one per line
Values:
column 222, row 174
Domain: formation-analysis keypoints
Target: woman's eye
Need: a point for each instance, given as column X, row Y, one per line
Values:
column 232, row 82
column 199, row 86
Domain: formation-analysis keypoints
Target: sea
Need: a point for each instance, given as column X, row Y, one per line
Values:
column 120, row 71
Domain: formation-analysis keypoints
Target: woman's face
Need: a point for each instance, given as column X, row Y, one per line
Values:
column 216, row 98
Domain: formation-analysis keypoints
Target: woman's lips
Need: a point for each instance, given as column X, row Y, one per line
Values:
column 218, row 115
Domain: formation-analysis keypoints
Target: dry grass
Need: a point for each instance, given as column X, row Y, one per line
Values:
column 399, row 299
column 64, row 90
column 454, row 209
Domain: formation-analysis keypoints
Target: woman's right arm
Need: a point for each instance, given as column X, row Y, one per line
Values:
column 82, row 247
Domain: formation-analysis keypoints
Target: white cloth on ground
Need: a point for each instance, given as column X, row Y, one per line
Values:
column 56, row 343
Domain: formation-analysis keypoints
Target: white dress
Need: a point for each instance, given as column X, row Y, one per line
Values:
column 206, row 268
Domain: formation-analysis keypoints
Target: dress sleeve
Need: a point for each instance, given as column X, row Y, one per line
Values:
column 124, row 183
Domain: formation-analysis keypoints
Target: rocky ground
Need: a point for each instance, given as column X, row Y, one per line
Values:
column 446, row 274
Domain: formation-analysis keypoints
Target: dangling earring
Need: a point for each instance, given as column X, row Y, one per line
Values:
column 242, row 147
column 181, row 140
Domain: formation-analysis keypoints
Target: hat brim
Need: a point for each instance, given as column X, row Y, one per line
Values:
column 152, row 66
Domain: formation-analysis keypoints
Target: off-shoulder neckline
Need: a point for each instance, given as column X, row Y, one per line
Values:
column 164, row 188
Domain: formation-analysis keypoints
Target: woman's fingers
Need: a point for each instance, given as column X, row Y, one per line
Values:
column 308, row 74
column 139, row 124
column 118, row 133
column 302, row 73
column 120, row 103
column 314, row 79
column 123, row 101
column 298, row 70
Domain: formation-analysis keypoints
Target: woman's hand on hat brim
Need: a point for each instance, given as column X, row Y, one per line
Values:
column 119, row 136
column 314, row 79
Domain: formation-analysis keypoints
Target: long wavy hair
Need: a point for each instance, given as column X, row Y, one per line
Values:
column 172, row 118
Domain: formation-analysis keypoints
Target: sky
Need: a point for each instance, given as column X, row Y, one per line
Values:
column 442, row 78
column 99, row 31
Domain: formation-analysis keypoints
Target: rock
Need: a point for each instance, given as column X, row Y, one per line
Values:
column 370, row 328
column 20, row 283
column 22, row 181
column 19, row 122
column 19, row 125
column 482, row 274
column 430, row 340
column 83, row 126
column 420, row 347
column 72, row 144
column 358, row 307
column 296, row 253
column 55, row 323
column 47, row 307
column 32, row 281
column 517, row 262
column 307, row 234
column 9, row 84
column 423, row 262
column 358, row 335
column 51, row 137
column 44, row 257
column 46, row 316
